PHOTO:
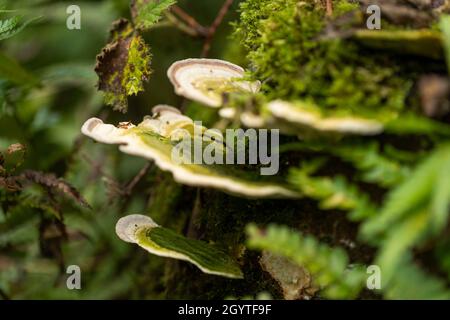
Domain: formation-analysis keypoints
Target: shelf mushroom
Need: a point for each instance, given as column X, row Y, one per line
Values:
column 207, row 80
column 154, row 139
column 157, row 240
column 300, row 114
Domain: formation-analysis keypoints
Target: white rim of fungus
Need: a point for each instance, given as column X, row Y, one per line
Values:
column 162, row 108
column 166, row 120
column 105, row 133
column 132, row 144
column 184, row 73
column 287, row 111
column 126, row 228
column 227, row 113
column 351, row 125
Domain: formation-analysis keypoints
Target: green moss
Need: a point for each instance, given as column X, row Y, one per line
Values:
column 137, row 70
column 123, row 65
column 289, row 52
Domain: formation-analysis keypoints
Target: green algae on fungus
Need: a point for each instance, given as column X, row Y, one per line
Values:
column 143, row 231
column 156, row 138
column 207, row 80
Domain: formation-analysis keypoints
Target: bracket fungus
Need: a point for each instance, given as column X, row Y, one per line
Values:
column 298, row 115
column 156, row 138
column 207, row 80
column 143, row 231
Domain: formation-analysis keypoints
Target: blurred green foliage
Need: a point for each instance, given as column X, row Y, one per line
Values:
column 367, row 200
column 47, row 90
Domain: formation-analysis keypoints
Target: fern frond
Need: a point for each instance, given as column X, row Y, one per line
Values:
column 414, row 211
column 427, row 186
column 8, row 24
column 333, row 193
column 411, row 283
column 148, row 12
column 12, row 26
column 375, row 167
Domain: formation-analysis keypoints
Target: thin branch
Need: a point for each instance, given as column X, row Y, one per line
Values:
column 142, row 173
column 173, row 20
column 213, row 28
column 97, row 168
column 189, row 21
column 329, row 8
column 192, row 231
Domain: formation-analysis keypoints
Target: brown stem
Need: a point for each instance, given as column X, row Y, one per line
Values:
column 181, row 25
column 213, row 28
column 329, row 8
column 192, row 231
column 130, row 186
column 189, row 20
column 97, row 168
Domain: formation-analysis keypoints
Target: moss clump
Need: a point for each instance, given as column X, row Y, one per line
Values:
column 290, row 50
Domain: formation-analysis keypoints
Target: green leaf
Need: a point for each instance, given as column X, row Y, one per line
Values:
column 148, row 12
column 401, row 238
column 167, row 243
column 445, row 28
column 440, row 203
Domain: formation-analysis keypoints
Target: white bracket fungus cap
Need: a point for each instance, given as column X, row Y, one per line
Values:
column 206, row 80
column 127, row 226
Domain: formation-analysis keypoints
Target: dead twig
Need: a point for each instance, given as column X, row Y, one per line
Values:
column 188, row 23
column 213, row 28
column 142, row 173
column 174, row 21
column 329, row 8
column 52, row 184
column 192, row 231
